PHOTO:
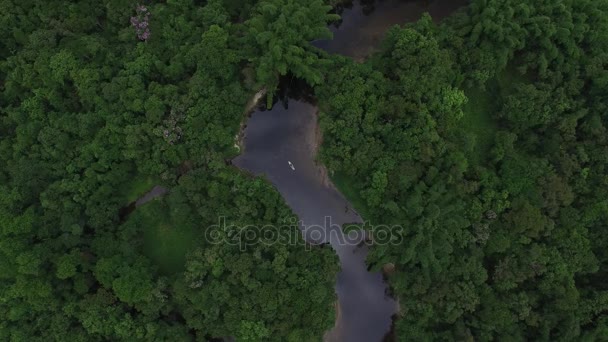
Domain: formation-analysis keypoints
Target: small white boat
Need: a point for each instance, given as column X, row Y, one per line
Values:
column 291, row 165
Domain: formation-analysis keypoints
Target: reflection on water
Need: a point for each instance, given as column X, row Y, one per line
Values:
column 275, row 140
column 365, row 22
column 287, row 133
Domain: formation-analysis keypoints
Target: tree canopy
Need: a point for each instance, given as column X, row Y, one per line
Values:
column 483, row 138
column 99, row 101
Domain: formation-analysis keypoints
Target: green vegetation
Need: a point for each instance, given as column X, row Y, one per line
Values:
column 138, row 187
column 100, row 101
column 166, row 243
column 498, row 180
column 481, row 111
column 349, row 190
column 478, row 120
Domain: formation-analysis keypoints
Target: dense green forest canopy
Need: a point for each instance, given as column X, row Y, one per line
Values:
column 101, row 100
column 484, row 137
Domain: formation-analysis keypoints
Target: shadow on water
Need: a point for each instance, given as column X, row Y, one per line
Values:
column 367, row 7
column 281, row 143
column 124, row 212
column 290, row 89
column 364, row 23
column 285, row 136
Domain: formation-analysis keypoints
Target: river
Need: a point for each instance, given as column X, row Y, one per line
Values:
column 288, row 134
column 365, row 22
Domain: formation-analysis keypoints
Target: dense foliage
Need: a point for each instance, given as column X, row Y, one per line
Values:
column 99, row 101
column 485, row 139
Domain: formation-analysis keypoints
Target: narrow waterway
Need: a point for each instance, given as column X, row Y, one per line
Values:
column 272, row 138
column 281, row 145
column 365, row 22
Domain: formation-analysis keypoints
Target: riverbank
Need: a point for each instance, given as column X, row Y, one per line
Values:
column 253, row 102
column 271, row 141
column 290, row 133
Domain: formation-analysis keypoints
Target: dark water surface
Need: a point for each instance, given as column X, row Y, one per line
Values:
column 272, row 138
column 364, row 24
column 287, row 133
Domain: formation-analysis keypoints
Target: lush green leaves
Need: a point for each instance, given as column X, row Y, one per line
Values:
column 505, row 246
column 89, row 114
